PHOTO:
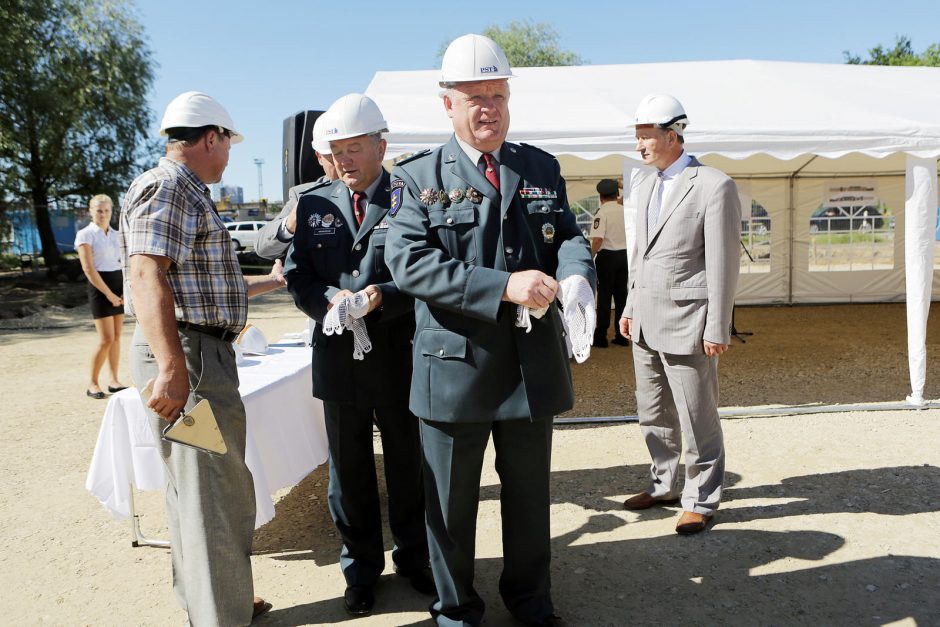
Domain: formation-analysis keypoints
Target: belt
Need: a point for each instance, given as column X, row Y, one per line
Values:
column 223, row 334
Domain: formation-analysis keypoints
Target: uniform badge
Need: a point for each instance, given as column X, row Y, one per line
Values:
column 338, row 222
column 314, row 220
column 395, row 200
column 597, row 223
column 327, row 220
column 443, row 198
column 427, row 196
column 456, row 195
column 381, row 225
column 474, row 196
column 548, row 233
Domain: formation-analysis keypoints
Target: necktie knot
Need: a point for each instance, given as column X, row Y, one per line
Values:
column 491, row 171
column 358, row 210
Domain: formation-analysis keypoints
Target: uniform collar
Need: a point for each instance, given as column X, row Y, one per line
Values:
column 475, row 154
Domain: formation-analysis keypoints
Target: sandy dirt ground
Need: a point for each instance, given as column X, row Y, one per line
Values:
column 828, row 519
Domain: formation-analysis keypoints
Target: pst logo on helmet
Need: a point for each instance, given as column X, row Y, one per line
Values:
column 490, row 69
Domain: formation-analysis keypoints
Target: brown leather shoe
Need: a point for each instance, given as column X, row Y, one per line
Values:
column 691, row 522
column 644, row 500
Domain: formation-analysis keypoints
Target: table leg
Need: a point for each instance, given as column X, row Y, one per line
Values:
column 139, row 539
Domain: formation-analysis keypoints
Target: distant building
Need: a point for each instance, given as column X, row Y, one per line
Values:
column 232, row 194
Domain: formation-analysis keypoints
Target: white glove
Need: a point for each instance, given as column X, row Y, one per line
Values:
column 525, row 314
column 579, row 314
column 347, row 314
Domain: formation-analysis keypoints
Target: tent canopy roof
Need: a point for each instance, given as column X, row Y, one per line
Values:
column 737, row 109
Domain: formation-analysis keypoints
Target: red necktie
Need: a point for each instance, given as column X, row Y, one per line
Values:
column 491, row 172
column 357, row 207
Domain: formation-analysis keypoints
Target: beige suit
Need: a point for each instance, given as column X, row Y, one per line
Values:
column 684, row 274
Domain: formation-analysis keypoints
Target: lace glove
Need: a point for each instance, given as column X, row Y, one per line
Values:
column 525, row 314
column 579, row 314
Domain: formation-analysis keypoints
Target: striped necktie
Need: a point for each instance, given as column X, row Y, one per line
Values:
column 652, row 214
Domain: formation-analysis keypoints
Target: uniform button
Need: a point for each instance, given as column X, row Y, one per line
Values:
column 544, row 208
column 449, row 220
column 509, row 250
column 355, row 273
column 505, row 216
column 441, row 352
column 319, row 245
column 358, row 246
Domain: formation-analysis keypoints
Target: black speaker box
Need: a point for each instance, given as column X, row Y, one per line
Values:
column 300, row 163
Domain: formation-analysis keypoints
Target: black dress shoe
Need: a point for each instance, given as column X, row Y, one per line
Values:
column 552, row 620
column 96, row 395
column 621, row 341
column 359, row 600
column 421, row 580
column 599, row 344
column 114, row 390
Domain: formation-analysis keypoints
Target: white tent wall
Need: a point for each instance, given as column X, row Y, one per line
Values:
column 786, row 132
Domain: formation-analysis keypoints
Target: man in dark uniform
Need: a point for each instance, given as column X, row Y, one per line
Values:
column 339, row 251
column 479, row 227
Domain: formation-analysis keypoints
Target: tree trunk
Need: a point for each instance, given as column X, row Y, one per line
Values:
column 50, row 250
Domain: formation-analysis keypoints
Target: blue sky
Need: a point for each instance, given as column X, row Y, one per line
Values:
column 265, row 60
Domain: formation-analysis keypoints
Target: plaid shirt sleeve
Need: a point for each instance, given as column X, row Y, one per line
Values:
column 160, row 222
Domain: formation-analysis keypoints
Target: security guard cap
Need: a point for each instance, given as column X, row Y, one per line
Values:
column 473, row 58
column 662, row 111
column 194, row 109
column 351, row 116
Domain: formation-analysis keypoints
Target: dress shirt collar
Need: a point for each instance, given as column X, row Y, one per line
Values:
column 677, row 166
column 475, row 154
column 370, row 190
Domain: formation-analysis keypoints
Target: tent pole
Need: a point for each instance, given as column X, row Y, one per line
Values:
column 791, row 211
column 920, row 226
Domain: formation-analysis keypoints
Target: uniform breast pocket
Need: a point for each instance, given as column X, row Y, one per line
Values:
column 543, row 218
column 377, row 242
column 456, row 229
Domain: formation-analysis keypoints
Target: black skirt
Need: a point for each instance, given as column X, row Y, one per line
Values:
column 101, row 307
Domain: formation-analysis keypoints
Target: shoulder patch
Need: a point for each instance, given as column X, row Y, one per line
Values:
column 417, row 155
column 597, row 223
column 398, row 188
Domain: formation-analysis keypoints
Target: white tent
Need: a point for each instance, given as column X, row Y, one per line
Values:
column 805, row 141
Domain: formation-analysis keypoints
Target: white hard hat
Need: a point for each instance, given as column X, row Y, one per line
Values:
column 663, row 111
column 351, row 116
column 252, row 340
column 194, row 109
column 320, row 144
column 473, row 58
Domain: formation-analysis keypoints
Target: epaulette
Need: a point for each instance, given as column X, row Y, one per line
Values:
column 417, row 155
column 321, row 182
column 537, row 148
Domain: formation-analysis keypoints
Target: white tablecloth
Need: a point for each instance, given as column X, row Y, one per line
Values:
column 286, row 435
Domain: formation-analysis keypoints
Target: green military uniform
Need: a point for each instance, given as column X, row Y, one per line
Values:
column 453, row 242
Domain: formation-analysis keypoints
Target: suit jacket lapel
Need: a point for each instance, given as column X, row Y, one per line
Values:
column 643, row 209
column 377, row 207
column 342, row 200
column 681, row 189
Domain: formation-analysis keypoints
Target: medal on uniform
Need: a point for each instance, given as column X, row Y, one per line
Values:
column 456, row 195
column 314, row 220
column 548, row 233
column 474, row 196
column 427, row 196
column 338, row 222
column 443, row 198
column 327, row 220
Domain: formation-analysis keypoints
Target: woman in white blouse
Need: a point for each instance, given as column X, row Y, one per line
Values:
column 99, row 249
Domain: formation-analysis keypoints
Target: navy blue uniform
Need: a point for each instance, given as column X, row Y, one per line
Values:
column 330, row 253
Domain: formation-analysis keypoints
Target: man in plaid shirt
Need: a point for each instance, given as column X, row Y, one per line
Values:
column 187, row 291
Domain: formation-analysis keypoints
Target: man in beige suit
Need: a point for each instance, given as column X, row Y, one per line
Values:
column 684, row 272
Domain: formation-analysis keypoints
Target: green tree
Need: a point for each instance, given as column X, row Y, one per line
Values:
column 528, row 44
column 74, row 78
column 901, row 54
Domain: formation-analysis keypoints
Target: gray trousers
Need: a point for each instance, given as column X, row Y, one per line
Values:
column 210, row 500
column 677, row 395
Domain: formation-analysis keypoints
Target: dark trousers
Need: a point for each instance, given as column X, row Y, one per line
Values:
column 612, row 282
column 354, row 492
column 453, row 455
